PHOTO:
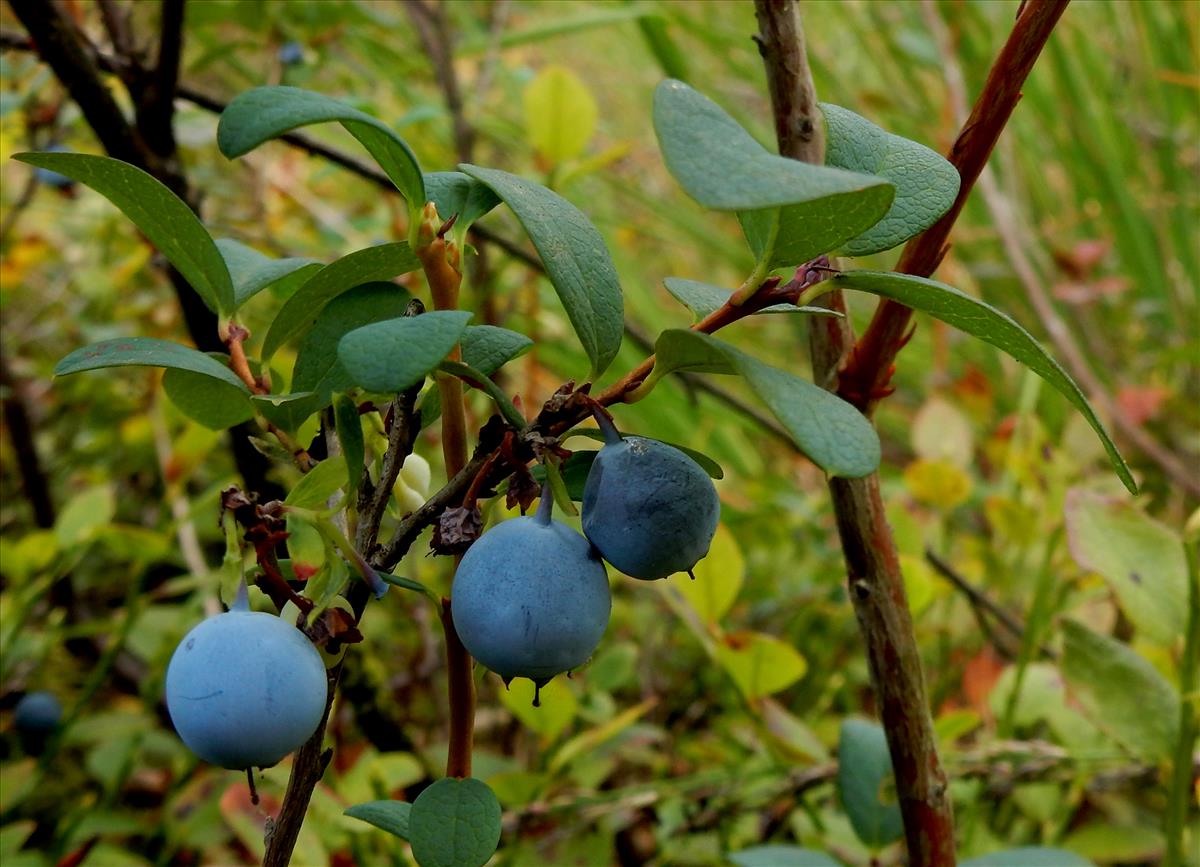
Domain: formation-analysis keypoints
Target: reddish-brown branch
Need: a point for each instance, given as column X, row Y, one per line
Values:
column 875, row 581
column 867, row 370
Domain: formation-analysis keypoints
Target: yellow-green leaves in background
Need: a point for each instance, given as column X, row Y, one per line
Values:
column 760, row 664
column 556, row 710
column 719, row 577
column 560, row 114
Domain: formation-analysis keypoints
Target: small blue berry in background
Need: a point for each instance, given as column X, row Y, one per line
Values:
column 291, row 53
column 37, row 713
column 51, row 178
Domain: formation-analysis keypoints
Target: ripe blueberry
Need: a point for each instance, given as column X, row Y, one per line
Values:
column 290, row 53
column 530, row 598
column 649, row 509
column 37, row 713
column 245, row 688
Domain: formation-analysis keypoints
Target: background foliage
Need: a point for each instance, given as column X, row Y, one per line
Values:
column 708, row 721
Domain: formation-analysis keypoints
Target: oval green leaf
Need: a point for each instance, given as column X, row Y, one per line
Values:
column 864, row 777
column 264, row 113
column 317, row 485
column 213, row 403
column 390, row 816
column 723, row 167
column 576, row 261
column 161, row 215
column 790, row 211
column 299, row 313
column 456, row 193
column 454, row 823
column 926, row 183
column 1121, row 692
column 1142, row 560
column 760, row 664
column 832, row 433
column 781, row 856
column 990, row 325
column 146, row 352
column 391, row 356
column 560, row 114
column 1029, row 856
column 253, row 272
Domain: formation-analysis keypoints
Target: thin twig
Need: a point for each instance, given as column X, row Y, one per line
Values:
column 405, row 425
column 873, row 569
column 1015, row 240
column 982, row 601
column 869, row 366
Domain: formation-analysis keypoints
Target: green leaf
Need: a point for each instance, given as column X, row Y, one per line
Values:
column 1028, row 856
column 317, row 367
column 719, row 577
column 146, row 352
column 213, row 403
column 317, row 485
column 574, row 472
column 990, row 325
column 864, row 780
column 1142, row 560
column 456, row 193
column 834, row 435
column 350, row 435
column 556, row 709
column 161, row 215
column 1122, row 844
column 478, row 380
column 1122, row 693
column 560, row 114
column 704, row 298
column 486, row 348
column 781, row 856
column 390, row 816
column 706, row 463
column 253, row 272
column 723, row 167
column 85, row 514
column 392, row 356
column 454, row 823
column 760, row 664
column 926, row 183
column 576, row 261
column 299, row 313
column 264, row 113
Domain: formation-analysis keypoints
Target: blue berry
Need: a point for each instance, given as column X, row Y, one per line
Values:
column 245, row 688
column 531, row 598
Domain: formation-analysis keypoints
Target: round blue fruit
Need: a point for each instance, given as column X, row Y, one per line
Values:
column 37, row 713
column 530, row 598
column 244, row 689
column 649, row 509
column 291, row 53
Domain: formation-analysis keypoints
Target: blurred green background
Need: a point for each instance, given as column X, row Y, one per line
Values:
column 708, row 720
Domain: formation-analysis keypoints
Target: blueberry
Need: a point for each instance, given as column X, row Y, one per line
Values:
column 530, row 598
column 52, row 178
column 245, row 688
column 291, row 53
column 649, row 509
column 37, row 713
